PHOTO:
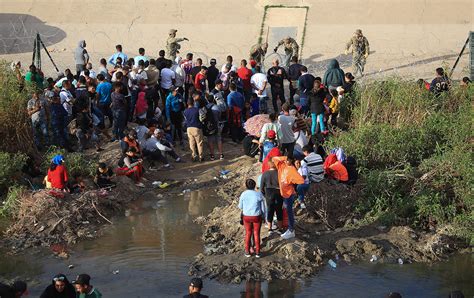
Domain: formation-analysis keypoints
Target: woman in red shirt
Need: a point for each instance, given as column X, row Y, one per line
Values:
column 57, row 173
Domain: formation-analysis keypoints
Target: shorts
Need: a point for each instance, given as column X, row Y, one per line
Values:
column 217, row 137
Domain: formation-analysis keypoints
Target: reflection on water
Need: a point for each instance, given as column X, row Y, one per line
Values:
column 153, row 245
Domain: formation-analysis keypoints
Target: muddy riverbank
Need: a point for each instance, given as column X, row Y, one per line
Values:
column 323, row 232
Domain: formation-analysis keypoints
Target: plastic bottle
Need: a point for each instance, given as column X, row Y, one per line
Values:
column 400, row 261
column 332, row 263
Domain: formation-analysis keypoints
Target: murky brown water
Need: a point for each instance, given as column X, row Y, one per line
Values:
column 152, row 246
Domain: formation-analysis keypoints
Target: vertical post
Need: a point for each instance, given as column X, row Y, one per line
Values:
column 471, row 55
column 37, row 61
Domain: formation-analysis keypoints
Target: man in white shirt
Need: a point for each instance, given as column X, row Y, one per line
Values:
column 229, row 61
column 66, row 97
column 140, row 57
column 92, row 73
column 259, row 86
column 180, row 75
column 168, row 79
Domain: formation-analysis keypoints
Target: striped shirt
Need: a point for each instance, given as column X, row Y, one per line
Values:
column 314, row 163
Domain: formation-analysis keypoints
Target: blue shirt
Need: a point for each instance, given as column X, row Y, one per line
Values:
column 113, row 58
column 138, row 58
column 173, row 103
column 235, row 99
column 191, row 115
column 251, row 203
column 104, row 89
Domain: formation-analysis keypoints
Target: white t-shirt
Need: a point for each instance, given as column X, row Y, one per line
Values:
column 259, row 80
column 167, row 77
column 179, row 75
column 303, row 171
column 301, row 140
column 233, row 68
column 66, row 100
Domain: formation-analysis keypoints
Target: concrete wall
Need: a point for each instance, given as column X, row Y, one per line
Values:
column 407, row 37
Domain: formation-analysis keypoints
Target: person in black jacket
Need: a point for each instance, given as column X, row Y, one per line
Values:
column 195, row 287
column 84, row 129
column 316, row 99
column 305, row 85
column 59, row 288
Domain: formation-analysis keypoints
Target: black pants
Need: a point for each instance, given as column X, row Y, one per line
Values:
column 106, row 111
column 277, row 92
column 274, row 204
column 292, row 92
column 176, row 125
column 155, row 156
column 287, row 149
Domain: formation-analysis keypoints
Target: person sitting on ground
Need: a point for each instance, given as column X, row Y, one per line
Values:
column 164, row 145
column 103, row 176
column 301, row 189
column 441, row 83
column 84, row 288
column 465, row 82
column 335, row 170
column 16, row 290
column 130, row 140
column 253, row 209
column 288, row 178
column 132, row 166
column 271, row 191
column 57, row 173
column 60, row 288
column 152, row 150
column 195, row 288
column 314, row 164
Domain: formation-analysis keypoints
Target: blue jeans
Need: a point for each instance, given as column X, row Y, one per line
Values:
column 40, row 128
column 119, row 123
column 314, row 123
column 288, row 204
column 301, row 190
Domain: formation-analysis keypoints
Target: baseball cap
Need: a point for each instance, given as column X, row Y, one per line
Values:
column 82, row 279
column 271, row 134
column 196, row 283
column 213, row 61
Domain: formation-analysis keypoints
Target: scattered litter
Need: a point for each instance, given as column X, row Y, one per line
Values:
column 215, row 178
column 70, row 266
column 224, row 176
column 337, row 257
column 224, row 172
column 186, row 190
column 164, row 185
column 159, row 196
column 332, row 263
column 116, row 272
column 157, row 183
column 373, row 259
column 195, row 180
column 127, row 212
column 400, row 261
column 85, row 222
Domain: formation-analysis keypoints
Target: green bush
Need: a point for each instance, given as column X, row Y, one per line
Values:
column 10, row 166
column 76, row 163
column 12, row 200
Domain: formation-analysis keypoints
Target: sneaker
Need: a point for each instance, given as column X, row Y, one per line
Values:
column 152, row 168
column 139, row 184
column 258, row 256
column 178, row 159
column 247, row 255
column 222, row 157
column 166, row 165
column 288, row 235
column 302, row 206
column 212, row 157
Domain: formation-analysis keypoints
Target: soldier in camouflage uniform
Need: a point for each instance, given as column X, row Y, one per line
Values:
column 291, row 49
column 360, row 51
column 258, row 52
column 172, row 45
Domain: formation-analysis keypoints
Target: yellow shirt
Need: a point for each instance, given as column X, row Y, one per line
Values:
column 334, row 105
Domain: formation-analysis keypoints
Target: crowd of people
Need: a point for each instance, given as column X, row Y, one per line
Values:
column 166, row 100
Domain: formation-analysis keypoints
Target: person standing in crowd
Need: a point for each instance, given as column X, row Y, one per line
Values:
column 259, row 86
column 16, row 290
column 161, row 61
column 441, row 83
column 200, row 80
column 314, row 164
column 33, row 76
column 84, row 288
column 152, row 74
column 215, row 139
column 141, row 57
column 104, row 92
column 305, row 85
column 288, row 178
column 187, row 65
column 235, row 104
column 270, row 189
column 196, row 69
column 194, row 130
column 67, row 100
column 119, row 111
column 229, row 60
column 212, row 74
column 334, row 75
column 315, row 101
column 294, row 73
column 174, row 113
column 253, row 209
column 38, row 111
column 195, row 288
column 168, row 79
column 60, row 288
column 81, row 57
column 119, row 54
column 276, row 75
column 245, row 74
column 179, row 75
column 287, row 124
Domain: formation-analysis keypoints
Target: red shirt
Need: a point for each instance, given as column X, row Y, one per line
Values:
column 200, row 82
column 245, row 74
column 58, row 177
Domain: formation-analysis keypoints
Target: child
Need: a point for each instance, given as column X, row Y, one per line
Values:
column 301, row 189
column 103, row 176
column 269, row 144
column 334, row 107
column 132, row 166
column 340, row 92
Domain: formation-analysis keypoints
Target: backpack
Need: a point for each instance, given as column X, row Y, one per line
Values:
column 209, row 123
column 351, row 166
column 250, row 148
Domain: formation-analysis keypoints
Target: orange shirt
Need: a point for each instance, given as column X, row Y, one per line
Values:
column 338, row 171
column 288, row 176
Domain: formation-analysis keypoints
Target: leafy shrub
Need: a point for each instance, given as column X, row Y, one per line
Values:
column 10, row 165
column 76, row 163
column 11, row 202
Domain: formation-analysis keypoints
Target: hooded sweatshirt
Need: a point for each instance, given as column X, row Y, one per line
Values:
column 80, row 55
column 51, row 292
column 288, row 177
column 334, row 75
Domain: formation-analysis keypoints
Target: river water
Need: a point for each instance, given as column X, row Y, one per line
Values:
column 150, row 248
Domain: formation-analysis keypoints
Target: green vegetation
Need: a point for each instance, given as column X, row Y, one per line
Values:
column 75, row 162
column 415, row 154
